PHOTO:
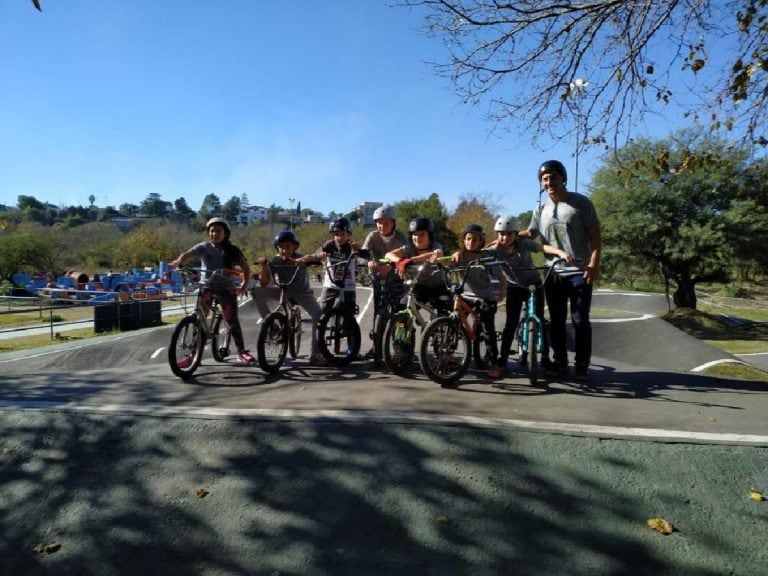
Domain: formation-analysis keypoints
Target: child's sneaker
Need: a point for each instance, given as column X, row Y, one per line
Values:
column 246, row 357
column 494, row 373
column 317, row 360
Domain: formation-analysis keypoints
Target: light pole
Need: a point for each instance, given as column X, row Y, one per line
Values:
column 578, row 86
column 291, row 201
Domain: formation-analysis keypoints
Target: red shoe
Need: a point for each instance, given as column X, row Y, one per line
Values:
column 185, row 362
column 246, row 357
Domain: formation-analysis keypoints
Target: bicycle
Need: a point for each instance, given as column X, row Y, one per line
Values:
column 338, row 334
column 390, row 302
column 185, row 352
column 530, row 330
column 399, row 343
column 450, row 342
column 281, row 329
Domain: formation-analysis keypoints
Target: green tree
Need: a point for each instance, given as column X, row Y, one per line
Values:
column 153, row 205
column 471, row 210
column 129, row 209
column 21, row 252
column 230, row 210
column 670, row 204
column 183, row 211
column 430, row 207
column 143, row 246
column 525, row 60
column 210, row 207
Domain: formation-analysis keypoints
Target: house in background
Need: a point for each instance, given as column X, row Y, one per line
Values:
column 366, row 210
column 252, row 214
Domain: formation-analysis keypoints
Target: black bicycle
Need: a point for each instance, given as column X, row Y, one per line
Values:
column 281, row 329
column 338, row 333
column 390, row 303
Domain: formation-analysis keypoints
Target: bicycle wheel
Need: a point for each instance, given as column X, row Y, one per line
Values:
column 221, row 340
column 533, row 352
column 186, row 349
column 399, row 343
column 445, row 351
column 294, row 341
column 272, row 344
column 379, row 331
column 338, row 343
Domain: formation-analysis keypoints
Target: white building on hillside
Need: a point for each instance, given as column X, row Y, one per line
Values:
column 252, row 214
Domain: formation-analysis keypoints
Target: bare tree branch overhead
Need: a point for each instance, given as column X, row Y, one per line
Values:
column 526, row 61
column 37, row 4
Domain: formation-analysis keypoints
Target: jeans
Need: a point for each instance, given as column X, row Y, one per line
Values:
column 562, row 291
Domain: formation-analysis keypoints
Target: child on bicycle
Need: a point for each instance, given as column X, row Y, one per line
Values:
column 479, row 284
column 287, row 244
column 422, row 248
column 378, row 243
column 516, row 253
column 335, row 252
column 218, row 253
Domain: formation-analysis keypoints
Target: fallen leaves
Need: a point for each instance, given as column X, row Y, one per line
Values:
column 757, row 496
column 201, row 492
column 661, row 526
column 442, row 519
column 47, row 548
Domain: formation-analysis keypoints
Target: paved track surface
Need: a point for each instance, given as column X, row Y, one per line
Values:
column 322, row 471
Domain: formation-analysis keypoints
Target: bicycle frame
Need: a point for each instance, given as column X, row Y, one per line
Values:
column 208, row 311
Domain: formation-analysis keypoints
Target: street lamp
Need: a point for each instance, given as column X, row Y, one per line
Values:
column 291, row 201
column 578, row 86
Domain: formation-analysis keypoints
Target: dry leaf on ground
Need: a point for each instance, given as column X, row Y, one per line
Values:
column 661, row 526
column 201, row 493
column 757, row 496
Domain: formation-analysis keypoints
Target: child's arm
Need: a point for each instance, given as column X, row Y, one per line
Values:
column 552, row 251
column 188, row 255
column 265, row 274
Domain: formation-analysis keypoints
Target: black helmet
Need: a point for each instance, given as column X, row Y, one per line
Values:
column 221, row 222
column 422, row 223
column 476, row 229
column 340, row 225
column 553, row 166
column 286, row 236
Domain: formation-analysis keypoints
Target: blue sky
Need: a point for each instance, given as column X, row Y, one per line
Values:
column 331, row 103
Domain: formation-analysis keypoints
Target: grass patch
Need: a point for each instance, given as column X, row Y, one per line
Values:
column 731, row 339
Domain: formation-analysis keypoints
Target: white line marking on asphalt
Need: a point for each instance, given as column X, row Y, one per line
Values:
column 395, row 417
column 156, row 353
column 367, row 304
column 617, row 320
column 752, row 354
column 716, row 362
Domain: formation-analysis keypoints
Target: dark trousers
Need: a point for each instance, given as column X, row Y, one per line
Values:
column 328, row 298
column 562, row 291
column 517, row 297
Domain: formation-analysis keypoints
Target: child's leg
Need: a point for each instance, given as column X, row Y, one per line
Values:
column 308, row 302
column 488, row 318
column 516, row 296
column 228, row 302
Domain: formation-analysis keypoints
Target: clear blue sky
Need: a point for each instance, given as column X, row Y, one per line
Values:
column 329, row 102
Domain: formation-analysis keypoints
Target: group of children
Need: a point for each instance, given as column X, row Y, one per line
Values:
column 386, row 242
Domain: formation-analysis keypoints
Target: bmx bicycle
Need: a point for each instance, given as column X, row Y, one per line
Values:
column 338, row 333
column 281, row 328
column 206, row 321
column 450, row 342
column 399, row 340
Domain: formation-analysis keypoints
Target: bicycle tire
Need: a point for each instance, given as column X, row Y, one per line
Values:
column 399, row 343
column 272, row 345
column 379, row 332
column 186, row 348
column 338, row 343
column 445, row 351
column 221, row 340
column 533, row 352
column 294, row 341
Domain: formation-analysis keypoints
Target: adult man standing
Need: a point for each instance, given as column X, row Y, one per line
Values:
column 568, row 221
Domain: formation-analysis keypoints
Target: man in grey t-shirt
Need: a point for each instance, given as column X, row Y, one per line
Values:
column 568, row 221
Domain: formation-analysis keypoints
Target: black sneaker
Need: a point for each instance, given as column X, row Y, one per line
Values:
column 554, row 370
column 581, row 374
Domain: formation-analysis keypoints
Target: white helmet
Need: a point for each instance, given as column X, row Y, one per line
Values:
column 384, row 211
column 506, row 224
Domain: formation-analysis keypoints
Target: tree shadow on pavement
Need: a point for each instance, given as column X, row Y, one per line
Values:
column 121, row 495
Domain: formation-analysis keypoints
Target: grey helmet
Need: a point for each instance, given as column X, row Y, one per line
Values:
column 506, row 224
column 384, row 211
column 221, row 222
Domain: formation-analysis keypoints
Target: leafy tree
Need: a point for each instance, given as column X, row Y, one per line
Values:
column 670, row 204
column 29, row 203
column 129, row 209
column 143, row 246
column 91, row 200
column 525, row 60
column 231, row 209
column 183, row 211
column 21, row 252
column 430, row 207
column 210, row 207
column 471, row 210
column 154, row 206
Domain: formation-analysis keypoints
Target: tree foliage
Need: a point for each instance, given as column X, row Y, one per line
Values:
column 471, row 210
column 673, row 205
column 21, row 252
column 430, row 207
column 525, row 58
